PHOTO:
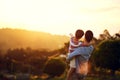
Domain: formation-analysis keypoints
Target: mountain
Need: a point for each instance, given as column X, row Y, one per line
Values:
column 17, row 38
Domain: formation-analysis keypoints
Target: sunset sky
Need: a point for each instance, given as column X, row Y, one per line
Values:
column 61, row 16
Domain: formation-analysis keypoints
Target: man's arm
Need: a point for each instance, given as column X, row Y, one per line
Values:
column 78, row 51
column 83, row 51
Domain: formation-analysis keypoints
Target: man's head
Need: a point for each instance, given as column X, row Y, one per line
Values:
column 88, row 35
column 79, row 33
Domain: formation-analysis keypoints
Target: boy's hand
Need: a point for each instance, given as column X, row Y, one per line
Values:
column 71, row 35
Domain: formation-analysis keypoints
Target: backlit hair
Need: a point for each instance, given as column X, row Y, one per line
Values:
column 79, row 33
column 88, row 35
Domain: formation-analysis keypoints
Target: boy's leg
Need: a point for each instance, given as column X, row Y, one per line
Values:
column 70, row 73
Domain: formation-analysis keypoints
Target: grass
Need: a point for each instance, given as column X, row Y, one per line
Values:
column 94, row 78
column 89, row 77
column 102, row 77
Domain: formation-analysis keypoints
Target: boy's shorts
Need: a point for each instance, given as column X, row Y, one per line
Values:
column 72, row 63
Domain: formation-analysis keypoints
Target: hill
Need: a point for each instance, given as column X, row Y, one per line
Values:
column 16, row 38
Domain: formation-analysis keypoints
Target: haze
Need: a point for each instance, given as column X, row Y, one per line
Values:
column 61, row 16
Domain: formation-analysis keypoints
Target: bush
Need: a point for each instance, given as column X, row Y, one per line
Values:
column 107, row 55
column 55, row 67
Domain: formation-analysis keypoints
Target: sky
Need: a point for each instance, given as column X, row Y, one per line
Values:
column 61, row 16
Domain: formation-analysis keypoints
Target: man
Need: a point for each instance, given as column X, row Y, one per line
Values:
column 82, row 55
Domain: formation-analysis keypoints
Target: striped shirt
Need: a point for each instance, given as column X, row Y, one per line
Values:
column 73, row 45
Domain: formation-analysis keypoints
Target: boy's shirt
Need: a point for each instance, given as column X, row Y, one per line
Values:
column 73, row 45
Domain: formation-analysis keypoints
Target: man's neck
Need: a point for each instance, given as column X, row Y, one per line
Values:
column 86, row 43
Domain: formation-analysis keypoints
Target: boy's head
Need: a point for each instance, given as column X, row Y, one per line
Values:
column 88, row 35
column 79, row 33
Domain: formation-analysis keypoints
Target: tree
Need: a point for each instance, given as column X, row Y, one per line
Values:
column 105, row 36
column 37, row 64
column 107, row 55
column 16, row 54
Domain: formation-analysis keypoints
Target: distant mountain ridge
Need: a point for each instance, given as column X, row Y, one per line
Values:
column 17, row 38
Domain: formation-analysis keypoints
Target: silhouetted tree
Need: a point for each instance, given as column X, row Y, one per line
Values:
column 16, row 54
column 1, row 61
column 105, row 35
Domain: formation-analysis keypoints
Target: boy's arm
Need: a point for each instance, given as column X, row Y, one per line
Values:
column 84, row 45
column 71, row 35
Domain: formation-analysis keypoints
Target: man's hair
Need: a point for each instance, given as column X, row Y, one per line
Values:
column 79, row 33
column 88, row 35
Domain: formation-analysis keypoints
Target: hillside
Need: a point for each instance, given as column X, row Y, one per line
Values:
column 15, row 38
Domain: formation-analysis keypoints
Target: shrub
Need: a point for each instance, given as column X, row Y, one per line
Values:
column 107, row 55
column 55, row 67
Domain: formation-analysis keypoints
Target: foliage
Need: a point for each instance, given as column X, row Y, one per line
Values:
column 55, row 67
column 107, row 55
column 24, row 60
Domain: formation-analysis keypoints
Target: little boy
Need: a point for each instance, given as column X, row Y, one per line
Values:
column 74, row 43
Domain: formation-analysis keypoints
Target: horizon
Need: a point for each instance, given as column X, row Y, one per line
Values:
column 49, row 32
column 61, row 17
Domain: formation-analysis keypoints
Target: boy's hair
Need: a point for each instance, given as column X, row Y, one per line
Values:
column 88, row 35
column 79, row 33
